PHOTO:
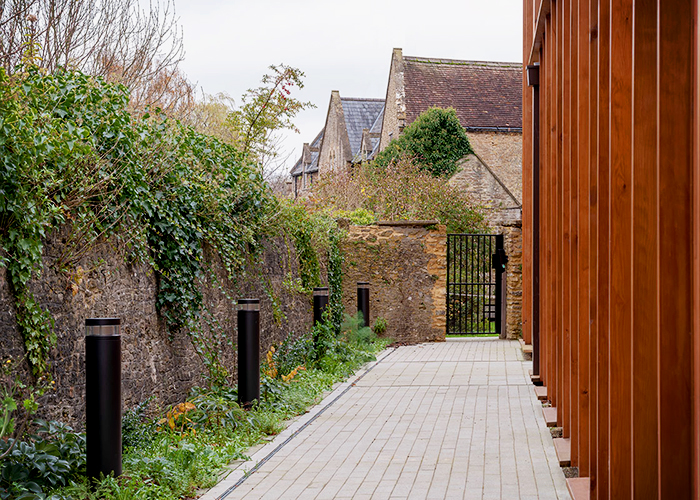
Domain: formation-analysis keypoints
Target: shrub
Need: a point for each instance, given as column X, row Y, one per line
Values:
column 380, row 325
column 436, row 140
column 137, row 428
column 401, row 191
column 358, row 217
column 355, row 332
column 52, row 457
column 294, row 352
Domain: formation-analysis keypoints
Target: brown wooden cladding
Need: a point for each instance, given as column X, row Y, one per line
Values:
column 619, row 237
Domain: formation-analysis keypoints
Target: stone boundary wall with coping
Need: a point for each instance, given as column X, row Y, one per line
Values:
column 405, row 265
column 154, row 361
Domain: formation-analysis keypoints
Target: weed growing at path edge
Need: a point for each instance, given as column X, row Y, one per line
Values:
column 182, row 448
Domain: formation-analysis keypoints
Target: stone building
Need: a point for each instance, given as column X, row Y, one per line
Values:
column 306, row 166
column 350, row 135
column 487, row 97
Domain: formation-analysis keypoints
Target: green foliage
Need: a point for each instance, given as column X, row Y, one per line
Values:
column 354, row 330
column 358, row 217
column 380, row 326
column 312, row 234
column 267, row 109
column 45, row 144
column 294, row 352
column 70, row 152
column 435, row 140
column 51, row 458
column 308, row 234
column 216, row 409
column 335, row 280
column 18, row 400
column 137, row 428
column 324, row 337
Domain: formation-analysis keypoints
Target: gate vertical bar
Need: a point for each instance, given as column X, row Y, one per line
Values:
column 481, row 244
column 499, row 283
column 466, row 242
column 479, row 287
column 492, row 273
column 447, row 291
column 470, row 288
column 500, row 314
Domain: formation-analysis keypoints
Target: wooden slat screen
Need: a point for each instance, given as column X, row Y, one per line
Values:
column 619, row 237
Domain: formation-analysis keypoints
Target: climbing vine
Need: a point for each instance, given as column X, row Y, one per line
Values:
column 72, row 154
column 74, row 157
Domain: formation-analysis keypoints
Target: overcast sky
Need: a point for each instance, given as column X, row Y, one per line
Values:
column 343, row 46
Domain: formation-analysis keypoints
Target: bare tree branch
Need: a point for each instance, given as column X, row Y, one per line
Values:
column 115, row 39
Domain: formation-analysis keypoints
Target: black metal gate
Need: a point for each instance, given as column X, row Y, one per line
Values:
column 475, row 271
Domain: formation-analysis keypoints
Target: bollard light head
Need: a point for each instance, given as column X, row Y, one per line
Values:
column 248, row 304
column 363, row 284
column 103, row 327
column 321, row 291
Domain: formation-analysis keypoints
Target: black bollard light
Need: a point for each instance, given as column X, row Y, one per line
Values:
column 248, row 351
column 320, row 303
column 103, row 397
column 363, row 300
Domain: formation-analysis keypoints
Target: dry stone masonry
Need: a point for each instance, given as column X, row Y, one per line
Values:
column 405, row 264
column 154, row 361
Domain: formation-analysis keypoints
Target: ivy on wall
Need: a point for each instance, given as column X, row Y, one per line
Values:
column 72, row 154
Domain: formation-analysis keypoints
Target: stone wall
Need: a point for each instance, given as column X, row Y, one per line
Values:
column 405, row 264
column 513, row 243
column 483, row 188
column 154, row 362
column 395, row 104
column 335, row 151
column 503, row 153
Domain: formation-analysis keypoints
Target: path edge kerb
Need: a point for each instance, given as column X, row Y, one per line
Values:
column 237, row 475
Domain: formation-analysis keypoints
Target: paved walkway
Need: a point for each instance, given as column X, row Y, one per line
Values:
column 446, row 420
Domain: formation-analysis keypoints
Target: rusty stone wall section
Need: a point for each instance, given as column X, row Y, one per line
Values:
column 484, row 189
column 154, row 361
column 513, row 242
column 405, row 264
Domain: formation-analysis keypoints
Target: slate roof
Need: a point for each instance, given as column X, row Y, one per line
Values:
column 298, row 168
column 485, row 94
column 376, row 129
column 360, row 114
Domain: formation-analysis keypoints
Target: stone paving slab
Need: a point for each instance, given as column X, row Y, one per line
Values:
column 457, row 419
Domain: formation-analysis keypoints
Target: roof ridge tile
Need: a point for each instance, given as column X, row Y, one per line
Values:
column 464, row 62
